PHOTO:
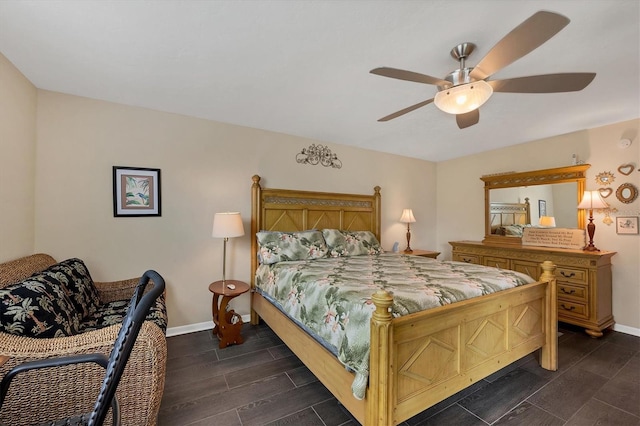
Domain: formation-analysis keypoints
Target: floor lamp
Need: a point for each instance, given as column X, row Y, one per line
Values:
column 592, row 200
column 227, row 225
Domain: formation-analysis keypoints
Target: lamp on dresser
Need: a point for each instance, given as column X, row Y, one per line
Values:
column 547, row 221
column 227, row 225
column 592, row 200
column 407, row 217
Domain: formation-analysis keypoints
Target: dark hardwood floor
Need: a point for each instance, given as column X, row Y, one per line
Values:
column 261, row 382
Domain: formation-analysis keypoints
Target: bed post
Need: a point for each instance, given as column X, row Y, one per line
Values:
column 377, row 214
column 256, row 199
column 549, row 352
column 380, row 394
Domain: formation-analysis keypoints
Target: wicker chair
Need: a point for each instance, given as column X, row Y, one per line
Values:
column 137, row 311
column 37, row 395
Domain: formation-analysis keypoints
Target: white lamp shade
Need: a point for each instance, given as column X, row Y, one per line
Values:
column 463, row 98
column 227, row 225
column 592, row 200
column 547, row 221
column 407, row 216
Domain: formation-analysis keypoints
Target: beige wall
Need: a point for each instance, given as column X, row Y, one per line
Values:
column 461, row 198
column 206, row 167
column 18, row 98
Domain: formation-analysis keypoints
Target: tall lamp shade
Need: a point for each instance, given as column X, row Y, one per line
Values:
column 592, row 200
column 408, row 218
column 227, row 225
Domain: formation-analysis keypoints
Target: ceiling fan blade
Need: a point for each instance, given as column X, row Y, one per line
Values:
column 547, row 83
column 409, row 76
column 468, row 119
column 406, row 110
column 523, row 39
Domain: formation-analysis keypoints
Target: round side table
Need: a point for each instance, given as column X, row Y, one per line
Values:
column 227, row 323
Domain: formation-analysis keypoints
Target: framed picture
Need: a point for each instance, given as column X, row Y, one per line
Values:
column 627, row 224
column 542, row 208
column 136, row 191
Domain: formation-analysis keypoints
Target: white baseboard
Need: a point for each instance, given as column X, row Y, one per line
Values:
column 192, row 328
column 627, row 330
column 208, row 325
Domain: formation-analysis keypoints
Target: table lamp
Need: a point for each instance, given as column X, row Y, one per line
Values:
column 407, row 217
column 227, row 225
column 547, row 221
column 591, row 200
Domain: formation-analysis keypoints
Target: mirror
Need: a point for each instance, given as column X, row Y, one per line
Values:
column 627, row 193
column 537, row 198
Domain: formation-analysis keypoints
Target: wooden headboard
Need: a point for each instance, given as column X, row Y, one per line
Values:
column 290, row 210
column 503, row 214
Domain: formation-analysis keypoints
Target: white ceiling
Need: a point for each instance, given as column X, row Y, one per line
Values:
column 301, row 67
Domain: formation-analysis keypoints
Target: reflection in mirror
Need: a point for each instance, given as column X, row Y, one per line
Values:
column 509, row 207
column 516, row 200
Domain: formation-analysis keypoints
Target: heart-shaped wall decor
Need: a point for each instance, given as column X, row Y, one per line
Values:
column 605, row 192
column 626, row 169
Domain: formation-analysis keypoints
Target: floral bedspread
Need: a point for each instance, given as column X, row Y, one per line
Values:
column 331, row 297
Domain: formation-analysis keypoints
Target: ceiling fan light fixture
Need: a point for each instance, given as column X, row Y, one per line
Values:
column 464, row 97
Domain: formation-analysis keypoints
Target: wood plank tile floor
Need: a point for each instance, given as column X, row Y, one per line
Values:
column 261, row 382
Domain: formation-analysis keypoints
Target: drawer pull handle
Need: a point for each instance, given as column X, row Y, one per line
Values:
column 570, row 308
column 567, row 292
column 466, row 260
column 564, row 274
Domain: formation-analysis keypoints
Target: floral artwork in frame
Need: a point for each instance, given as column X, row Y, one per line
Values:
column 627, row 225
column 136, row 191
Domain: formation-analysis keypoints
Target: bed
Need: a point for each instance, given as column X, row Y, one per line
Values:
column 509, row 219
column 415, row 360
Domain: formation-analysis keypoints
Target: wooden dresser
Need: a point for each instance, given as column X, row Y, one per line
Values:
column 584, row 278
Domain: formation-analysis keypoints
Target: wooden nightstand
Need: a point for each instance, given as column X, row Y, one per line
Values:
column 424, row 253
column 227, row 323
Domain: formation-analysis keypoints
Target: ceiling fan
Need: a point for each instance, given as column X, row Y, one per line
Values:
column 464, row 90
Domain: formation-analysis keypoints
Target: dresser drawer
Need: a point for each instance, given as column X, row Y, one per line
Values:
column 496, row 262
column 530, row 268
column 572, row 309
column 573, row 275
column 577, row 293
column 466, row 258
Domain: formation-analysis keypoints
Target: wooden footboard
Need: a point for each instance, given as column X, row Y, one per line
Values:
column 419, row 360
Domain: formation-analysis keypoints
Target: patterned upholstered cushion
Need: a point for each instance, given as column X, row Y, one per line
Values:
column 74, row 276
column 37, row 307
column 346, row 243
column 282, row 246
column 113, row 312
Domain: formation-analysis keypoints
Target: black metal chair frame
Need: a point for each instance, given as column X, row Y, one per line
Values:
column 137, row 311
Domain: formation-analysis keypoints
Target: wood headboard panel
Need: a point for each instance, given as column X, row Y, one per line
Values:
column 290, row 210
column 503, row 214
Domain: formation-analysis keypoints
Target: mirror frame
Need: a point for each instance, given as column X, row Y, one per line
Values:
column 536, row 177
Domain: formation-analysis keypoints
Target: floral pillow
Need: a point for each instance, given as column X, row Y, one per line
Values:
column 37, row 307
column 74, row 276
column 281, row 246
column 347, row 243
